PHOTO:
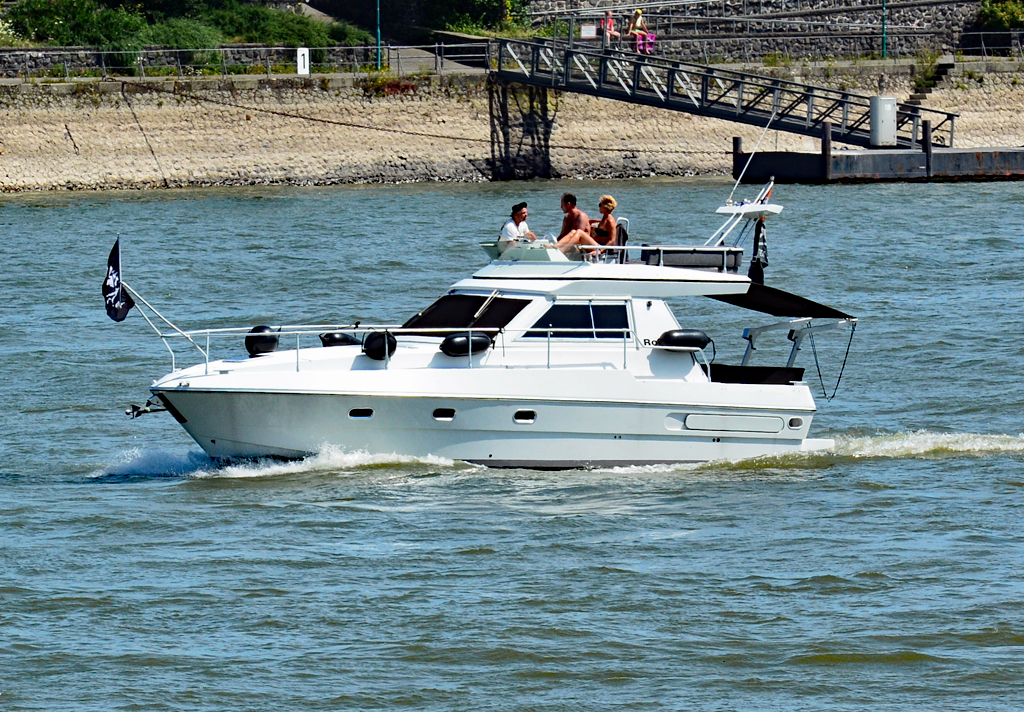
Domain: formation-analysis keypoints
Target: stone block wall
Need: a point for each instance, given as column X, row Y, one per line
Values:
column 749, row 30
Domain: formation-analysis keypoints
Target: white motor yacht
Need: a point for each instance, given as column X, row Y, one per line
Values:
column 536, row 360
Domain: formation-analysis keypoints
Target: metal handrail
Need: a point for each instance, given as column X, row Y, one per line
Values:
column 729, row 94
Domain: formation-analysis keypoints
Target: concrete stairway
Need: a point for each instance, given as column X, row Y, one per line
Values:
column 942, row 70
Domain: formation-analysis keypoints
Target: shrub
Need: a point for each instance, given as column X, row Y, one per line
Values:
column 182, row 33
column 8, row 37
column 254, row 23
column 345, row 34
column 77, row 22
column 1001, row 14
column 486, row 14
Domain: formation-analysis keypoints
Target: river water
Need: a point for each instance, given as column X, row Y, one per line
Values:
column 136, row 574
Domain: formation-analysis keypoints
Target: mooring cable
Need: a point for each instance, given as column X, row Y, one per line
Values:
column 406, row 132
column 143, row 132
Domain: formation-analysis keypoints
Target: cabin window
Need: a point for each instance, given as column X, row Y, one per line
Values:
column 444, row 414
column 610, row 316
column 525, row 417
column 460, row 311
column 360, row 413
column 582, row 318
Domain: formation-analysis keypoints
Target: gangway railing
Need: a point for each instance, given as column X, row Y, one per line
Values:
column 716, row 92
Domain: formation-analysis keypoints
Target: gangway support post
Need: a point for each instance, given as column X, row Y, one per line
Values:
column 826, row 150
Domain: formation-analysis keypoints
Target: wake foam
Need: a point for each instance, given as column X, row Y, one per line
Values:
column 926, row 444
column 138, row 463
column 918, row 444
column 328, row 459
column 157, row 463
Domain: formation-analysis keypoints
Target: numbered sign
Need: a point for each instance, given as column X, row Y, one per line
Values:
column 302, row 61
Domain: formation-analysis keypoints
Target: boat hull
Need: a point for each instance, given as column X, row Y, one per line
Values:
column 497, row 432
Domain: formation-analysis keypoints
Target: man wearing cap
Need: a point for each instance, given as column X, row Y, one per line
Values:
column 515, row 229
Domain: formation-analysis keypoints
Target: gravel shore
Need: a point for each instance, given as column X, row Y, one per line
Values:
column 174, row 133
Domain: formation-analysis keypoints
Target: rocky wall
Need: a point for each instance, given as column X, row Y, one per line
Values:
column 248, row 131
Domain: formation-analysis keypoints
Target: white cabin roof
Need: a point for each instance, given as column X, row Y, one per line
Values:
column 604, row 279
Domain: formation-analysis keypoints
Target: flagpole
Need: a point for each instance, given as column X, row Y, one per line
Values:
column 165, row 320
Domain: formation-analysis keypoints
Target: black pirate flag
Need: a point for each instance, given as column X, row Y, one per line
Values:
column 117, row 299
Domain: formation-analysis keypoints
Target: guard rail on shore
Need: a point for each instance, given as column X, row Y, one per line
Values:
column 711, row 91
column 84, row 62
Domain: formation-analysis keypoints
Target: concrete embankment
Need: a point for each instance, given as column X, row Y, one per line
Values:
column 346, row 129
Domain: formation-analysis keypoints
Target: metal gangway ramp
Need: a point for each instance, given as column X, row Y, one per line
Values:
column 712, row 91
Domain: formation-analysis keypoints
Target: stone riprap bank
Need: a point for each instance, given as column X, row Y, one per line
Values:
column 99, row 135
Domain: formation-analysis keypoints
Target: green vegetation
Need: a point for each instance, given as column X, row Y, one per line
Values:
column 1001, row 14
column 188, row 24
column 8, row 37
column 480, row 17
column 384, row 84
column 925, row 69
column 777, row 59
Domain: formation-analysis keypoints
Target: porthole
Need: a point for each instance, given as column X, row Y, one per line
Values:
column 525, row 416
column 360, row 413
column 796, row 423
column 444, row 414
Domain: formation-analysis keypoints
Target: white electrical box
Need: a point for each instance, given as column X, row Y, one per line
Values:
column 883, row 121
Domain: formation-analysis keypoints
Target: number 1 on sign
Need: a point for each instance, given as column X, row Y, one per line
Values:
column 302, row 61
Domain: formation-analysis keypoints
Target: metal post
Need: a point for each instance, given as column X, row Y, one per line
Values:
column 378, row 52
column 469, row 348
column 826, row 149
column 297, row 337
column 885, row 43
column 177, row 58
column 549, row 349
column 926, row 139
column 207, row 353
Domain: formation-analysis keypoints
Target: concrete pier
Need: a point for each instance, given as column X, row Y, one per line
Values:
column 929, row 163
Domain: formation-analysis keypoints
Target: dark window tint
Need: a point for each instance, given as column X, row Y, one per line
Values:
column 444, row 413
column 610, row 316
column 457, row 311
column 452, row 310
column 361, row 413
column 525, row 416
column 499, row 313
column 564, row 316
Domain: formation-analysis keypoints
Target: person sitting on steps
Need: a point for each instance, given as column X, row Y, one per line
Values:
column 638, row 29
column 607, row 29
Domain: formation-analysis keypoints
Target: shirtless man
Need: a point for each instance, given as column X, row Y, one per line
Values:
column 575, row 225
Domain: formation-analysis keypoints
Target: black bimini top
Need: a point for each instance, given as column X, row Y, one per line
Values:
column 776, row 302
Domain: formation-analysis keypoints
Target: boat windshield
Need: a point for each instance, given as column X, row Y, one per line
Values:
column 462, row 311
